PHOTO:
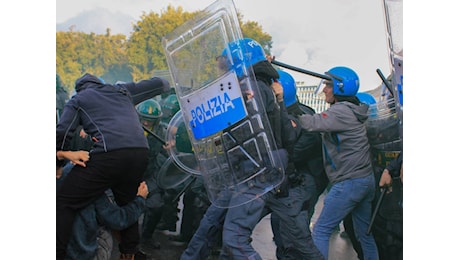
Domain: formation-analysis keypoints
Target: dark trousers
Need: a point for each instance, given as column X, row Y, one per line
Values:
column 120, row 170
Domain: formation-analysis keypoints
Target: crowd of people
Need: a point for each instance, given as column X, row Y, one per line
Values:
column 110, row 149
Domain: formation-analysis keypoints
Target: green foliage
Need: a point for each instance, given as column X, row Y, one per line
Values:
column 145, row 52
column 114, row 57
column 101, row 55
column 253, row 30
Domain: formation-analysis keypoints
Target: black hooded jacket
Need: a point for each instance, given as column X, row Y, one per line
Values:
column 285, row 135
column 107, row 113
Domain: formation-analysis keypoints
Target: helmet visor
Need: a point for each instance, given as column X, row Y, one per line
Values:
column 322, row 84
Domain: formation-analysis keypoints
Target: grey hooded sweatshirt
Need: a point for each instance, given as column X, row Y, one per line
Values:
column 346, row 149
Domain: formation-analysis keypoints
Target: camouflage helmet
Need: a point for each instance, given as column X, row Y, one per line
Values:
column 149, row 110
column 171, row 105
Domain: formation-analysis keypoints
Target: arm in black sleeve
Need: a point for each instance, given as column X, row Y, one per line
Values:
column 290, row 133
column 308, row 146
column 394, row 166
column 67, row 126
column 146, row 89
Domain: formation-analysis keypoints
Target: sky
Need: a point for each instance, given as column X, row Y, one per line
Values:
column 309, row 34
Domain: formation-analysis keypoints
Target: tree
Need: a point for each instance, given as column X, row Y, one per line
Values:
column 114, row 58
column 101, row 55
column 253, row 30
column 145, row 51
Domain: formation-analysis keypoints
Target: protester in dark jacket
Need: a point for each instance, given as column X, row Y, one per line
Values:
column 119, row 154
column 290, row 209
column 102, row 214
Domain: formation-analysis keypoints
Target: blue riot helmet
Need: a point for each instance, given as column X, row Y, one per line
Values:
column 289, row 88
column 244, row 52
column 368, row 99
column 365, row 98
column 345, row 81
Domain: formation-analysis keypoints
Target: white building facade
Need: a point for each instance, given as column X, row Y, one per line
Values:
column 306, row 95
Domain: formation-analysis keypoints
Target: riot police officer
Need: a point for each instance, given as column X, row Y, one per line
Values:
column 150, row 114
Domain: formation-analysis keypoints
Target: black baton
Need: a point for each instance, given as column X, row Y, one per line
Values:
column 154, row 135
column 385, row 81
column 376, row 210
column 311, row 73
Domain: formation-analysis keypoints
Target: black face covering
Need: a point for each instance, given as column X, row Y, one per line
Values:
column 264, row 71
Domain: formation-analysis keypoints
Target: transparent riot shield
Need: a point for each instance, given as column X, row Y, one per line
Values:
column 179, row 145
column 384, row 126
column 224, row 117
column 394, row 26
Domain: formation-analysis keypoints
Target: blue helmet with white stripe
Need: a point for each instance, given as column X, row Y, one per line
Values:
column 244, row 52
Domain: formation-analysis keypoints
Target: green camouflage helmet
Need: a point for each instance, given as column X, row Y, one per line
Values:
column 149, row 110
column 171, row 105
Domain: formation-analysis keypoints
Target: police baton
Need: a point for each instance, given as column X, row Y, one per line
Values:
column 184, row 189
column 311, row 73
column 385, row 81
column 376, row 210
column 154, row 135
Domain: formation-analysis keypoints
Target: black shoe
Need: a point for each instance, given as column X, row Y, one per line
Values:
column 140, row 256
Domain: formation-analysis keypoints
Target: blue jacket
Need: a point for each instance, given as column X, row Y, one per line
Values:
column 103, row 212
column 107, row 113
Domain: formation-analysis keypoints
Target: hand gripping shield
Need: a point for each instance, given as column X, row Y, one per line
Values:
column 224, row 117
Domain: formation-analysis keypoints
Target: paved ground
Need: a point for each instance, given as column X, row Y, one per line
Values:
column 340, row 247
